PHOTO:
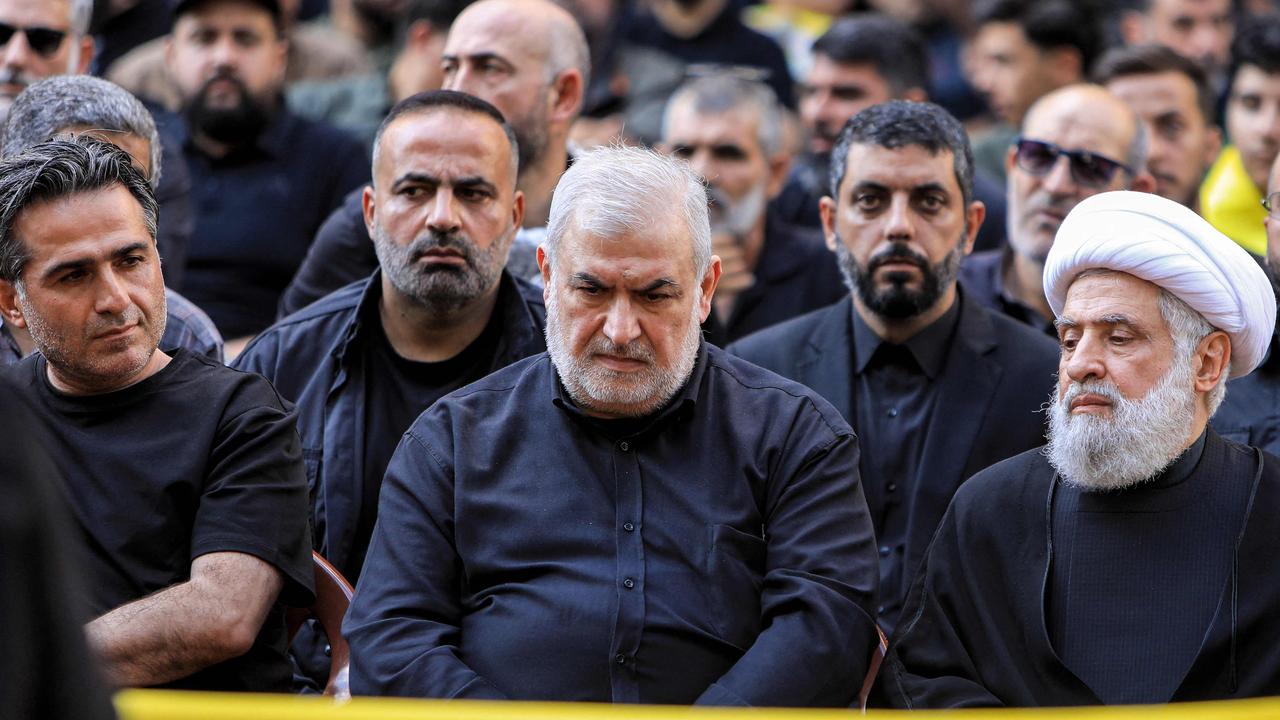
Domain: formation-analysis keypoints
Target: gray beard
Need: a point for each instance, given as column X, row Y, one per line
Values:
column 1140, row 439
column 593, row 387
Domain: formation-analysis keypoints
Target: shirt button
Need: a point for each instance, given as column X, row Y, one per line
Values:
column 628, row 527
column 893, row 412
column 620, row 659
column 892, row 487
column 628, row 583
column 624, row 446
column 880, row 610
column 884, row 551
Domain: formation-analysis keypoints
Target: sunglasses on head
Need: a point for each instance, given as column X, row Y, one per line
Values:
column 45, row 41
column 1088, row 169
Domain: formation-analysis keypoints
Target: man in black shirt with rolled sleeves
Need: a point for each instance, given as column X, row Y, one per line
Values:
column 185, row 478
column 936, row 386
column 634, row 516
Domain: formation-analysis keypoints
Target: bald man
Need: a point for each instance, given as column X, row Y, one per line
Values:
column 529, row 59
column 1076, row 142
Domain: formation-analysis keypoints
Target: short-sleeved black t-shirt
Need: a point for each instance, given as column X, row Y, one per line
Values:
column 195, row 459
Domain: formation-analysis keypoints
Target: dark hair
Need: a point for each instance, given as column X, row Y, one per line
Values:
column 1049, row 24
column 1257, row 43
column 178, row 8
column 893, row 48
column 58, row 169
column 436, row 99
column 1153, row 60
column 900, row 123
column 440, row 13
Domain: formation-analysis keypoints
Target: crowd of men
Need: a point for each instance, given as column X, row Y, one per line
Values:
column 652, row 352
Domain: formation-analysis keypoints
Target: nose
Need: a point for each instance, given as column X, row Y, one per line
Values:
column 1085, row 361
column 459, row 79
column 443, row 215
column 1059, row 180
column 621, row 325
column 112, row 297
column 17, row 52
column 700, row 162
column 225, row 53
column 899, row 223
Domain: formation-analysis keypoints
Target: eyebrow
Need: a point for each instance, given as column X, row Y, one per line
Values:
column 477, row 57
column 589, row 279
column 84, row 262
column 471, row 181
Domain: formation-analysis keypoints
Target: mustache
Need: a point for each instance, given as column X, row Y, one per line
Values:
column 897, row 253
column 436, row 240
column 1100, row 388
column 224, row 74
column 13, row 76
column 634, row 350
column 132, row 315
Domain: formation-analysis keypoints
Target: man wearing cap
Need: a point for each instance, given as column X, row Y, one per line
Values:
column 1131, row 560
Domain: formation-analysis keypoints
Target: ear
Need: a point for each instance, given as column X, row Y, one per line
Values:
column 517, row 210
column 1066, row 66
column 566, row 96
column 974, row 215
column 1132, row 28
column 710, row 279
column 1213, row 354
column 419, row 34
column 545, row 267
column 168, row 50
column 1010, row 157
column 827, row 211
column 369, row 206
column 779, row 166
column 9, row 306
column 87, row 49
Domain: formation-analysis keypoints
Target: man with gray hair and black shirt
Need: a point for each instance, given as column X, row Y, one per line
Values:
column 730, row 132
column 83, row 104
column 611, row 520
column 185, row 477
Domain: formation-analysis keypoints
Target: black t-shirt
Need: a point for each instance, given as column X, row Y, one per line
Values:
column 196, row 459
column 398, row 391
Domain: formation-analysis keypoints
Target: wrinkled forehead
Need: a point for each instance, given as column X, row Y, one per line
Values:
column 661, row 249
column 503, row 30
column 1104, row 296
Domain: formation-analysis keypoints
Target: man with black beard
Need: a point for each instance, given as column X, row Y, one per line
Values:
column 439, row 312
column 614, row 520
column 262, row 179
column 936, row 386
column 1132, row 559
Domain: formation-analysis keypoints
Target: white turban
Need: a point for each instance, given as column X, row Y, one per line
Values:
column 1167, row 244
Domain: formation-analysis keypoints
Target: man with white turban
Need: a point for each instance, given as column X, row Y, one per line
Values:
column 1130, row 560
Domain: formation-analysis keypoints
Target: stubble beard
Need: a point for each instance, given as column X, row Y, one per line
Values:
column 898, row 301
column 1138, row 441
column 444, row 288
column 89, row 369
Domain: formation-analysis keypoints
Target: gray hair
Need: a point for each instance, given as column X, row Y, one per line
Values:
column 56, row 104
column 613, row 191
column 58, row 169
column 727, row 92
column 1188, row 328
column 81, row 15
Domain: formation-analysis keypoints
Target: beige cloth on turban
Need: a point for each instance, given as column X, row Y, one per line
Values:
column 1167, row 244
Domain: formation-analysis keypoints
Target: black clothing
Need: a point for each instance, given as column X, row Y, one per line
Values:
column 1250, row 412
column 1114, row 584
column 725, row 41
column 195, row 459
column 795, row 274
column 42, row 616
column 341, row 254
column 809, row 180
column 176, row 221
column 257, row 210
column 990, row 386
column 525, row 550
column 317, row 359
column 973, row 629
column 982, row 275
column 397, row 390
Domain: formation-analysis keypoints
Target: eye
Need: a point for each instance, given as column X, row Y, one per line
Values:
column 932, row 203
column 412, row 191
column 868, row 202
column 72, row 277
column 132, row 260
column 588, row 290
column 657, row 297
column 472, row 194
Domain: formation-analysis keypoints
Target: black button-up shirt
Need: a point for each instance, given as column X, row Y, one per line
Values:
column 895, row 389
column 257, row 210
column 719, row 551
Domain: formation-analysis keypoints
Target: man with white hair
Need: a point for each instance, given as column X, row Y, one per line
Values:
column 1131, row 560
column 612, row 520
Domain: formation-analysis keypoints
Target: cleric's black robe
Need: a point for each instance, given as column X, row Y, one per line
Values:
column 973, row 630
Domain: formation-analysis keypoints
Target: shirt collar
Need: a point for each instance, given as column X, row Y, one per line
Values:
column 928, row 347
column 679, row 406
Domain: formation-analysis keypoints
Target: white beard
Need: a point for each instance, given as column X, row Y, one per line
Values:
column 1137, row 442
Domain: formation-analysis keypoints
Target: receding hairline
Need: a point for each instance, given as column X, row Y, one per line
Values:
column 1076, row 101
column 425, row 113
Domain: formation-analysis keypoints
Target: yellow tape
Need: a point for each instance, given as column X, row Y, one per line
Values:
column 174, row 705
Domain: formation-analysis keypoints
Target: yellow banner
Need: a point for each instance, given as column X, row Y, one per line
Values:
column 174, row 705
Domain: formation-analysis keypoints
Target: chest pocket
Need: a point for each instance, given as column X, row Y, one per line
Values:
column 735, row 568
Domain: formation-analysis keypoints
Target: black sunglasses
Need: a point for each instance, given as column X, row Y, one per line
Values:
column 45, row 41
column 1088, row 169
